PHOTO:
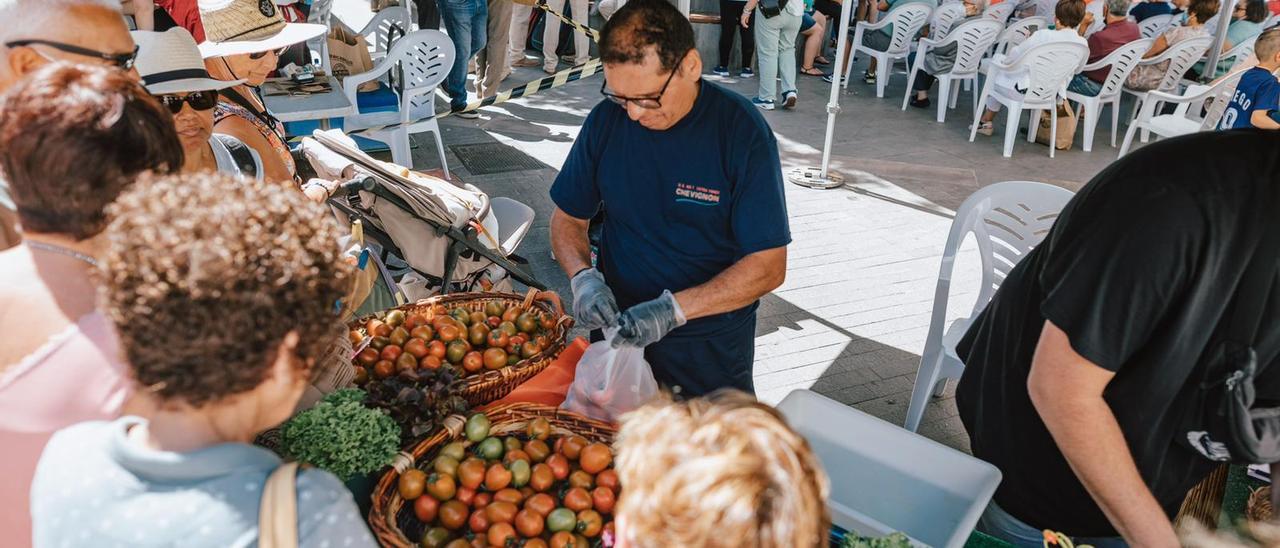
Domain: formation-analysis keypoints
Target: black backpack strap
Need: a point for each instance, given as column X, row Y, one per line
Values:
column 241, row 154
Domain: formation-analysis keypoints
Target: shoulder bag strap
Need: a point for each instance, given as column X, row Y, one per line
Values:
column 278, row 512
column 241, row 154
column 264, row 116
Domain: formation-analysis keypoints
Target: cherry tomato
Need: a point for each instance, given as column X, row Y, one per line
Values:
column 541, row 504
column 577, row 499
column 508, row 495
column 453, row 515
column 609, row 479
column 603, row 499
column 426, row 508
column 580, row 478
column 573, row 446
column 471, row 473
column 497, row 477
column 559, row 466
column 537, row 450
column 479, row 521
column 589, row 523
column 465, row 495
column 501, row 512
column 595, row 458
column 541, row 478
column 529, row 523
column 500, row 533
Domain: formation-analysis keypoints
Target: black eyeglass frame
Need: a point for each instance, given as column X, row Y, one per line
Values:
column 639, row 101
column 123, row 61
column 260, row 54
column 186, row 100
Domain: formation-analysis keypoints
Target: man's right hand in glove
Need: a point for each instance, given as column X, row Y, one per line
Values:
column 594, row 306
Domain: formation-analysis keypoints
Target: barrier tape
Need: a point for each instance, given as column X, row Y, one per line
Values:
column 542, row 5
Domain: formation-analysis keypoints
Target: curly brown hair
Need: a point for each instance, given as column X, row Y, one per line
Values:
column 204, row 275
column 72, row 137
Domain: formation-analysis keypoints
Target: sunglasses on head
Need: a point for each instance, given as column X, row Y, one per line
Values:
column 260, row 54
column 122, row 61
column 199, row 100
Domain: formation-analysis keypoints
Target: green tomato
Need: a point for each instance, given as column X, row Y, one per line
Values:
column 457, row 450
column 561, row 519
column 445, row 464
column 490, row 449
column 477, row 427
column 435, row 537
column 520, row 472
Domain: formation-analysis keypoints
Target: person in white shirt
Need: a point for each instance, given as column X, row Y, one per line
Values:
column 1069, row 16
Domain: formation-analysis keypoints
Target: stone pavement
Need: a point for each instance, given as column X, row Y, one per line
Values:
column 850, row 320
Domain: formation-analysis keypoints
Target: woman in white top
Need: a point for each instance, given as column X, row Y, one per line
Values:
column 1069, row 19
column 172, row 70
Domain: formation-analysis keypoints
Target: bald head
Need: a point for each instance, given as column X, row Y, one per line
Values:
column 93, row 24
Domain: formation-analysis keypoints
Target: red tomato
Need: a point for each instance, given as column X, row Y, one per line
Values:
column 500, row 533
column 426, row 508
column 609, row 479
column 541, row 503
column 577, row 499
column 559, row 466
column 500, row 512
column 479, row 522
column 603, row 499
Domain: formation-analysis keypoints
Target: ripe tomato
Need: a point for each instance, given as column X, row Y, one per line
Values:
column 580, row 478
column 426, row 508
column 609, row 479
column 603, row 499
column 559, row 466
column 589, row 523
column 441, row 486
column 529, row 523
column 481, row 500
column 500, row 512
column 448, row 332
column 537, row 450
column 541, row 478
column 497, row 477
column 473, row 361
column 508, row 495
column 595, row 457
column 541, row 504
column 538, row 429
column 535, row 543
column 500, row 533
column 471, row 473
column 518, row 454
column 437, row 349
column 411, row 483
column 577, row 499
column 430, row 362
column 390, row 352
column 479, row 522
column 563, row 539
column 573, row 446
column 465, row 495
column 453, row 515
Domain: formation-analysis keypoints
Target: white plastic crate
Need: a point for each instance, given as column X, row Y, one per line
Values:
column 886, row 479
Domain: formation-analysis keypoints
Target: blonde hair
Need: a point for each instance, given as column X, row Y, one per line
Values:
column 719, row 471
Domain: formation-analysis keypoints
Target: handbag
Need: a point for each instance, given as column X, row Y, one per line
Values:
column 278, row 512
column 771, row 8
column 1222, row 423
column 1066, row 128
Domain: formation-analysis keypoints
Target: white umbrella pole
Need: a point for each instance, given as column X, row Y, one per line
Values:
column 823, row 177
column 1215, row 51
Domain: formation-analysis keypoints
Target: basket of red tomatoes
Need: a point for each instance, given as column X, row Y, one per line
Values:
column 519, row 475
column 494, row 341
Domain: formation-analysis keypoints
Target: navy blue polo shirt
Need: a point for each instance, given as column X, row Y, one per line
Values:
column 681, row 205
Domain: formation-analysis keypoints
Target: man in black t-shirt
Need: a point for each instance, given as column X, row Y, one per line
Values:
column 1079, row 370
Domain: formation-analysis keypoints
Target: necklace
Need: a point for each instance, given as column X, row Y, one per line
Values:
column 62, row 251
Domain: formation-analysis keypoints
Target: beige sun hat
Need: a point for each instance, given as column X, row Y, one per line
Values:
column 236, row 27
column 170, row 62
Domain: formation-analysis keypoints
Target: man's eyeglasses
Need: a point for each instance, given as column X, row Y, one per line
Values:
column 260, row 54
column 651, row 102
column 199, row 100
column 123, row 61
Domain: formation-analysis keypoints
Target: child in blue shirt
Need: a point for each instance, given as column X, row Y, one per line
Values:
column 1258, row 93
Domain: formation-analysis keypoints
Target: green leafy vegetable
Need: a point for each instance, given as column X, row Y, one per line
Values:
column 342, row 436
column 896, row 540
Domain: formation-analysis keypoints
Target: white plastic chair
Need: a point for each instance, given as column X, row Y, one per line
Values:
column 1001, row 12
column 1181, row 57
column 907, row 20
column 514, row 221
column 945, row 17
column 1122, row 61
column 1186, row 118
column 1019, row 31
column 1049, row 67
column 1007, row 220
column 384, row 29
column 321, row 14
column 1237, row 55
column 424, row 58
column 972, row 40
column 1153, row 26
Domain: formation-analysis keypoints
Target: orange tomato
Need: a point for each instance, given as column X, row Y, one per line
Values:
column 535, row 543
column 573, row 446
column 482, row 500
column 479, row 521
column 500, row 533
column 515, row 455
column 589, row 523
column 529, row 523
column 541, row 478
column 603, row 500
column 559, row 466
column 577, row 499
column 595, row 458
column 500, row 512
column 497, row 477
column 537, row 450
column 609, row 479
column 453, row 515
column 471, row 473
column 541, row 503
column 465, row 495
column 508, row 495
column 563, row 539
column 580, row 478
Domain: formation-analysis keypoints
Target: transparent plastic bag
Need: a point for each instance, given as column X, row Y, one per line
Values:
column 610, row 381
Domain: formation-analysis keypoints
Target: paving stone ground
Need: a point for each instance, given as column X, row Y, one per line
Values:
column 851, row 318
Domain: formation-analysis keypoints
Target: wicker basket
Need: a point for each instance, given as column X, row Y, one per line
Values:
column 493, row 385
column 391, row 519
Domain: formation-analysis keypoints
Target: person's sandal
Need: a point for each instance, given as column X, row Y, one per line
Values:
column 811, row 71
column 820, row 60
column 986, row 128
column 868, row 77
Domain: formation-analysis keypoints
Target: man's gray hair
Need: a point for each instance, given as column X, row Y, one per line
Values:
column 21, row 19
column 1118, row 7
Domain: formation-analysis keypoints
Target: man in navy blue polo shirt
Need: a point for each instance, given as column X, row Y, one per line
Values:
column 695, row 230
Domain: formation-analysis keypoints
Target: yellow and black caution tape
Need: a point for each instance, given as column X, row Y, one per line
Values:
column 542, row 5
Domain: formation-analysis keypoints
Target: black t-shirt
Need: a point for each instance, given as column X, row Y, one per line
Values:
column 1139, row 271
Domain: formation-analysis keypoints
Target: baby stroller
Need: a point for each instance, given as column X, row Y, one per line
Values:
column 448, row 238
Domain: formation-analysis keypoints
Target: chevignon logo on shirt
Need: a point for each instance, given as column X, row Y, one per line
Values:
column 693, row 194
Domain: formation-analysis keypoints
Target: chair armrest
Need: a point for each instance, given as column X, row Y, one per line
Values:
column 877, row 25
column 929, row 42
column 351, row 84
column 1101, row 63
column 1194, row 93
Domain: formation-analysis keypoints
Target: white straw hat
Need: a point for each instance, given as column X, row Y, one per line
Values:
column 170, row 62
column 236, row 27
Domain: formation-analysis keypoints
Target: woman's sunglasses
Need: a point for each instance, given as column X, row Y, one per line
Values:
column 199, row 100
column 260, row 54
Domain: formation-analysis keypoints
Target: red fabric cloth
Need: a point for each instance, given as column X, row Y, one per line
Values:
column 186, row 13
column 1105, row 41
column 551, row 385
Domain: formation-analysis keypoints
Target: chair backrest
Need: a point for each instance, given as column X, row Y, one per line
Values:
column 1151, row 27
column 907, row 21
column 1008, row 220
column 973, row 39
column 1181, row 57
column 1238, row 53
column 1049, row 67
column 387, row 26
column 1221, row 95
column 944, row 17
column 1000, row 12
column 424, row 58
column 1018, row 31
column 1122, row 61
column 320, row 13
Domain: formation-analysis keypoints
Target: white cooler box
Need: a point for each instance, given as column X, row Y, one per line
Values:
column 886, row 479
